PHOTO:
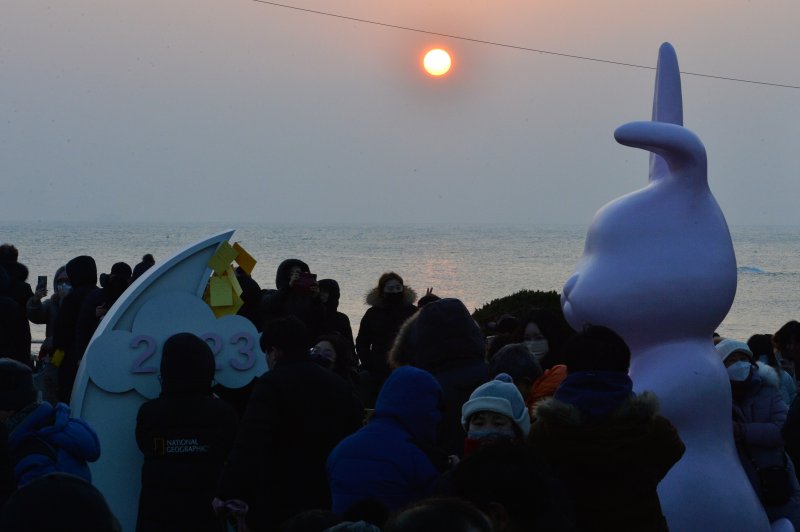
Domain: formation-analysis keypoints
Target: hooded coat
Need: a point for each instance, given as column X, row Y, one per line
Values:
column 762, row 414
column 286, row 302
column 15, row 335
column 113, row 286
column 48, row 440
column 18, row 288
column 45, row 312
column 611, row 467
column 185, row 436
column 385, row 460
column 335, row 321
column 15, row 331
column 82, row 272
column 297, row 414
column 378, row 329
column 444, row 339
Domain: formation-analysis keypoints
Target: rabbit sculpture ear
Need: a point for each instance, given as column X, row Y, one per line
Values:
column 677, row 154
column 674, row 151
column 667, row 100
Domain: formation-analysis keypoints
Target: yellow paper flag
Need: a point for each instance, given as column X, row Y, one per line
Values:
column 220, row 293
column 222, row 258
column 244, row 259
column 231, row 276
column 230, row 309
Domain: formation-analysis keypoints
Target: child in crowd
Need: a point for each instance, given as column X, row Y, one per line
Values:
column 495, row 411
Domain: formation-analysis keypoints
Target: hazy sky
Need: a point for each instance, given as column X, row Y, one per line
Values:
column 233, row 110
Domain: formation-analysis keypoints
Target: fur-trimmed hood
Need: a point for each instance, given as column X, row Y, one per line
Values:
column 769, row 375
column 638, row 407
column 374, row 299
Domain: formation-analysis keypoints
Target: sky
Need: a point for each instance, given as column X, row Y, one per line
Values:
column 240, row 111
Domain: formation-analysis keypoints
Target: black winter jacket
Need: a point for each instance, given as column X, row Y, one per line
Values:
column 185, row 440
column 297, row 414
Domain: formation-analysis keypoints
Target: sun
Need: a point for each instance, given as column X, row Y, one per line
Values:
column 437, row 62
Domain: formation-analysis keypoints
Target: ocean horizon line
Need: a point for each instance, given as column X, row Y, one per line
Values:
column 227, row 224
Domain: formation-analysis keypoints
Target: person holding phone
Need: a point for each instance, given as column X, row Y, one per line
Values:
column 297, row 295
column 45, row 312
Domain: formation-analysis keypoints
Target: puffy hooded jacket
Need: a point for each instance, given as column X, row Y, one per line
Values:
column 48, row 440
column 385, row 459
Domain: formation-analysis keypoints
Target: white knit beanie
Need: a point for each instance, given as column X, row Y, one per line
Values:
column 729, row 346
column 500, row 396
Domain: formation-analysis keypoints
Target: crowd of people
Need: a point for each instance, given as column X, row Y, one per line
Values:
column 424, row 420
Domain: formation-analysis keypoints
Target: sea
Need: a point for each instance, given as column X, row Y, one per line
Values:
column 475, row 263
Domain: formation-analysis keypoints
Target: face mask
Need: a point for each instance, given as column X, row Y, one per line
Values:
column 739, row 371
column 322, row 361
column 537, row 347
column 393, row 297
column 491, row 434
column 65, row 289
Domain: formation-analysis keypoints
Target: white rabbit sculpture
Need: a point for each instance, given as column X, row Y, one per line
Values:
column 659, row 268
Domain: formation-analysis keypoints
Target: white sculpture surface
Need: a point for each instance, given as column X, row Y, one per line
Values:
column 659, row 268
column 119, row 370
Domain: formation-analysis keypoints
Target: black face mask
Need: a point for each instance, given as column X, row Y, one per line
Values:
column 322, row 361
column 393, row 298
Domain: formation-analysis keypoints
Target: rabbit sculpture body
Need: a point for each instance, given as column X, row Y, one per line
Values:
column 659, row 268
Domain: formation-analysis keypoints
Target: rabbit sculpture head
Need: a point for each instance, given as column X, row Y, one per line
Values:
column 658, row 264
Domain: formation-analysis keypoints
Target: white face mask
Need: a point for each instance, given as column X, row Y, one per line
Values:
column 538, row 347
column 739, row 371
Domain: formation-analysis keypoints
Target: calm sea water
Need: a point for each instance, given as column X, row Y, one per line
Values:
column 473, row 263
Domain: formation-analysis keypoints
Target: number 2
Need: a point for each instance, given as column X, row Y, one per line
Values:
column 138, row 366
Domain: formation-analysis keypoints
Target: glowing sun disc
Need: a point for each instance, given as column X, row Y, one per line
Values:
column 437, row 62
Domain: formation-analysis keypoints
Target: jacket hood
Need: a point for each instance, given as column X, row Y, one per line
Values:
column 334, row 293
column 413, row 398
column 769, row 375
column 55, row 426
column 187, row 366
column 284, row 269
column 374, row 297
column 442, row 335
column 82, row 271
column 15, row 270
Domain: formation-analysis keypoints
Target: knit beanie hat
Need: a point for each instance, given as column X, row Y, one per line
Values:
column 728, row 346
column 502, row 397
column 16, row 385
column 187, row 365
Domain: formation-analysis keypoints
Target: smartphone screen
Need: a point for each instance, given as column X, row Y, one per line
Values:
column 41, row 282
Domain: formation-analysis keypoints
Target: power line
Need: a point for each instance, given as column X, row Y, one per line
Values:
column 516, row 47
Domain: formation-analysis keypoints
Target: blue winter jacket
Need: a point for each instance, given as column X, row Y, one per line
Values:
column 382, row 461
column 48, row 440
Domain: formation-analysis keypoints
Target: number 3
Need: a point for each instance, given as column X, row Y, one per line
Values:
column 247, row 351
